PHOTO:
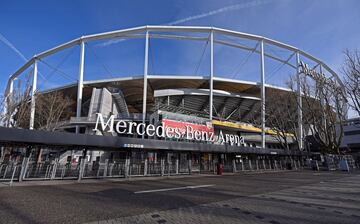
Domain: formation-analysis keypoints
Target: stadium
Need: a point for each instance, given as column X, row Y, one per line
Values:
column 145, row 123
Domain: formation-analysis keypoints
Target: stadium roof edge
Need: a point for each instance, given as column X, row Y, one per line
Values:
column 149, row 28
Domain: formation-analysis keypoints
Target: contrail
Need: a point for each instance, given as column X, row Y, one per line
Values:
column 218, row 11
column 202, row 15
column 9, row 44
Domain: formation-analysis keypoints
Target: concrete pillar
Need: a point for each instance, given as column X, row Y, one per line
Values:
column 250, row 165
column 257, row 164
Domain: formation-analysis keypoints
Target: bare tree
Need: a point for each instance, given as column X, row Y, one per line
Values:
column 281, row 117
column 351, row 71
column 18, row 107
column 324, row 110
column 51, row 109
column 2, row 110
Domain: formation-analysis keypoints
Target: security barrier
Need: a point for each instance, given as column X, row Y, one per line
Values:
column 138, row 165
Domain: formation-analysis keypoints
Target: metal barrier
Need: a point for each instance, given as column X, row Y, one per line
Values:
column 184, row 166
column 9, row 172
column 154, row 168
column 137, row 169
column 66, row 171
column 239, row 166
column 228, row 167
column 38, row 171
column 116, row 169
column 170, row 169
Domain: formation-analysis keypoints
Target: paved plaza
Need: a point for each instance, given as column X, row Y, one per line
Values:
column 271, row 197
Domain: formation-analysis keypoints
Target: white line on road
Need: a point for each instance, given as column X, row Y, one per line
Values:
column 173, row 189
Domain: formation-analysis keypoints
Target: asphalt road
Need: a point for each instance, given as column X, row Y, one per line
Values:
column 273, row 198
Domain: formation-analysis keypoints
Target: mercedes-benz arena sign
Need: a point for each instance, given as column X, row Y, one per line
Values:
column 168, row 129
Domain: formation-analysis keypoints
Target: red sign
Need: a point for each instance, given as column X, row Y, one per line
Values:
column 184, row 126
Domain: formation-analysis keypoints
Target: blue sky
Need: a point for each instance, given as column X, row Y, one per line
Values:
column 323, row 28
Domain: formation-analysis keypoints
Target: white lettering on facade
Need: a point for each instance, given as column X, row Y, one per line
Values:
column 161, row 131
column 109, row 123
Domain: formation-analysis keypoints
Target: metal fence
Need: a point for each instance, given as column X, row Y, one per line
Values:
column 9, row 172
column 50, row 170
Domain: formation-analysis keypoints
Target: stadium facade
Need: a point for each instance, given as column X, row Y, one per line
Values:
column 160, row 124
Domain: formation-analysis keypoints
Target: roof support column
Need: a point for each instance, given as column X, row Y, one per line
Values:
column 9, row 102
column 33, row 97
column 80, row 83
column 211, row 74
column 299, row 102
column 262, row 68
column 146, row 62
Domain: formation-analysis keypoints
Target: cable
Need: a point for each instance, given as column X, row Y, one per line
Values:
column 244, row 61
column 202, row 56
column 151, row 58
column 58, row 70
column 57, row 66
column 97, row 58
column 279, row 67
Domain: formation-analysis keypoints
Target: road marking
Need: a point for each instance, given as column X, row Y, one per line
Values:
column 174, row 189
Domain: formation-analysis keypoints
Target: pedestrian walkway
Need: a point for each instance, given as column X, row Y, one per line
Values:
column 336, row 201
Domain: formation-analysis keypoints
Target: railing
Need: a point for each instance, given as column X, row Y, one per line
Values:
column 30, row 170
column 9, row 172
